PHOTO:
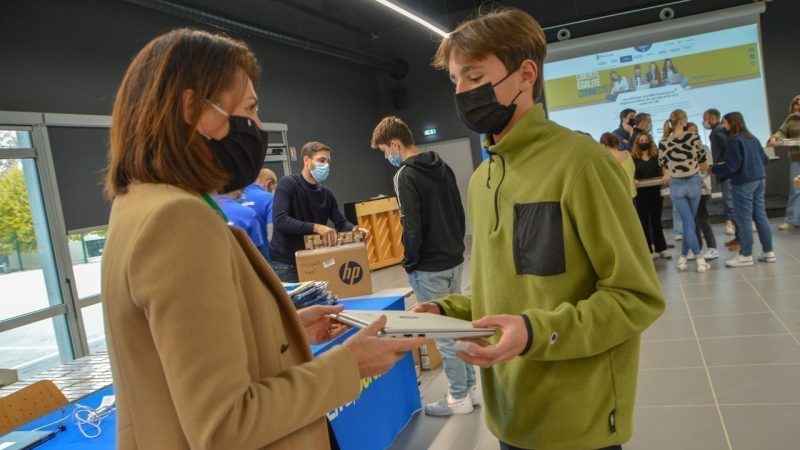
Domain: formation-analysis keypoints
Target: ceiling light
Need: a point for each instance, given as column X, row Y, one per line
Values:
column 413, row 17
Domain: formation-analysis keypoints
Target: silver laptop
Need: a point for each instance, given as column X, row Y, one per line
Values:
column 400, row 324
column 24, row 440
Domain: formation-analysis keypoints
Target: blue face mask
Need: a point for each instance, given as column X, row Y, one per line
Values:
column 320, row 171
column 395, row 160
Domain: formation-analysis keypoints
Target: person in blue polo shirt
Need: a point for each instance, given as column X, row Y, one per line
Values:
column 241, row 216
column 258, row 197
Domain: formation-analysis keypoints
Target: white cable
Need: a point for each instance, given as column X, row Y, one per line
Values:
column 86, row 417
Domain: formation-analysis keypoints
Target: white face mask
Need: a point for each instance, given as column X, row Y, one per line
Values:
column 706, row 125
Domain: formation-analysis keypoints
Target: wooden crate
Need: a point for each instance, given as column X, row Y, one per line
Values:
column 382, row 218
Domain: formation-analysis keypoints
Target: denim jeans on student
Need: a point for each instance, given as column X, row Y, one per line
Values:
column 748, row 204
column 286, row 272
column 433, row 286
column 793, row 205
column 685, row 194
column 727, row 200
column 677, row 223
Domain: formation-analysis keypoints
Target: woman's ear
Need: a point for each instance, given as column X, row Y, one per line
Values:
column 188, row 105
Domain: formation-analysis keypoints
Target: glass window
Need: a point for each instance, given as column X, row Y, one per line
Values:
column 34, row 348
column 93, row 324
column 28, row 278
column 86, row 252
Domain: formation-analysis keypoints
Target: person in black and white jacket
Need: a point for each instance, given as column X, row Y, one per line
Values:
column 433, row 235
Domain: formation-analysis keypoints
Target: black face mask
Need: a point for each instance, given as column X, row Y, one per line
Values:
column 631, row 122
column 479, row 110
column 241, row 152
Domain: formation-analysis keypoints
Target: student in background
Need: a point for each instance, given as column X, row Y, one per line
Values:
column 702, row 221
column 790, row 129
column 745, row 165
column 682, row 157
column 611, row 144
column 258, row 197
column 718, row 136
column 627, row 119
column 649, row 202
column 433, row 237
column 642, row 124
column 242, row 217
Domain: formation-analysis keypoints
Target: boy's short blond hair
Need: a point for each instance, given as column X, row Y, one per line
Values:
column 392, row 127
column 509, row 33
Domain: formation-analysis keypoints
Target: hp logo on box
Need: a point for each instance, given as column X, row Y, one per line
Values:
column 350, row 273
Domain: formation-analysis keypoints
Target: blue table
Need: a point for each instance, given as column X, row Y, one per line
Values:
column 386, row 404
column 371, row 422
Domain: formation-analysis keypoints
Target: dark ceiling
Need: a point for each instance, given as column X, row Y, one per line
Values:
column 356, row 25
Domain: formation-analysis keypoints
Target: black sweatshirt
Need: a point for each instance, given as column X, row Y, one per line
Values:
column 431, row 213
column 297, row 206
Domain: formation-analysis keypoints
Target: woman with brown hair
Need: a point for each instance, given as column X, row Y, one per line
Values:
column 745, row 165
column 682, row 157
column 207, row 350
column 648, row 201
column 611, row 143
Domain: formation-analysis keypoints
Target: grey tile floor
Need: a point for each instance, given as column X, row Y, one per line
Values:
column 719, row 370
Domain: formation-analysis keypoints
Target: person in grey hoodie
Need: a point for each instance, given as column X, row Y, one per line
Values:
column 433, row 235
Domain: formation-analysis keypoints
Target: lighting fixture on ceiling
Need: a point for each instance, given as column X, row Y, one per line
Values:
column 413, row 17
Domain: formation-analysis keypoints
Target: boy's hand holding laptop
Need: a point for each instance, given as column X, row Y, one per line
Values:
column 512, row 343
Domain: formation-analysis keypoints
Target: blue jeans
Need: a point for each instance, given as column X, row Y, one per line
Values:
column 685, row 194
column 286, row 272
column 727, row 200
column 433, row 286
column 793, row 205
column 677, row 223
column 748, row 203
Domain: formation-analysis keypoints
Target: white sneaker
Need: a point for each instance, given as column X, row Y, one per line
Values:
column 711, row 253
column 665, row 254
column 653, row 256
column 786, row 226
column 768, row 257
column 682, row 264
column 476, row 395
column 754, row 227
column 678, row 237
column 448, row 406
column 729, row 229
column 740, row 261
column 690, row 256
column 702, row 265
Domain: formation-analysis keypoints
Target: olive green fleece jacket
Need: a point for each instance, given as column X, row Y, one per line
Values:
column 556, row 239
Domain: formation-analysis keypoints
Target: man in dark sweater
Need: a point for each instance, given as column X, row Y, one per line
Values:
column 627, row 119
column 302, row 206
column 718, row 136
column 433, row 236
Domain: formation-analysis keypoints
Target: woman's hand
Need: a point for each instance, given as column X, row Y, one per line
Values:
column 665, row 179
column 426, row 308
column 367, row 235
column 512, row 342
column 376, row 355
column 318, row 325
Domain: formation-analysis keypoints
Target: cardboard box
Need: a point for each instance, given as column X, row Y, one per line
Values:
column 344, row 267
column 429, row 355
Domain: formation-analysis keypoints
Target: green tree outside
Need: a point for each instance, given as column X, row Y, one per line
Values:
column 16, row 226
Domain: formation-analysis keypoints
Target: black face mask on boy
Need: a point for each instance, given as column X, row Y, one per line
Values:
column 481, row 112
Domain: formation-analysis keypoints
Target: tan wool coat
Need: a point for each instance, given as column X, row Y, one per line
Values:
column 206, row 348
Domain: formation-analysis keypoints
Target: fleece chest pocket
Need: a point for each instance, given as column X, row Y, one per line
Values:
column 539, row 239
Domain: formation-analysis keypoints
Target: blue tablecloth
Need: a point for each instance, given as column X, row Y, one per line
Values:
column 72, row 438
column 371, row 422
column 386, row 403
